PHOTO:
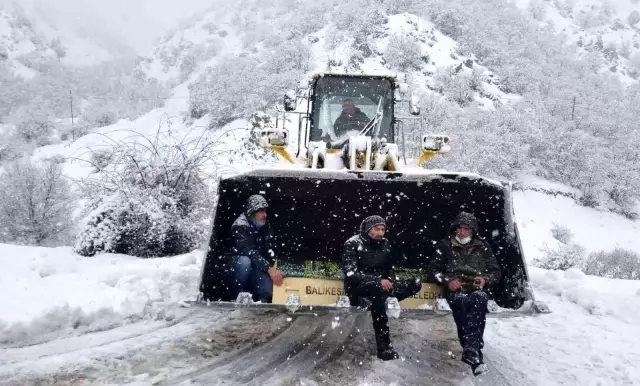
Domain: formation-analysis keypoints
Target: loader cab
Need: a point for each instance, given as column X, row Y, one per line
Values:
column 344, row 106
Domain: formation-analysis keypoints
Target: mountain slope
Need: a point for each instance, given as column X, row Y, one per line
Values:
column 500, row 90
column 607, row 32
column 28, row 40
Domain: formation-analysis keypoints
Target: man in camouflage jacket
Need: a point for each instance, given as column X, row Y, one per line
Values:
column 465, row 265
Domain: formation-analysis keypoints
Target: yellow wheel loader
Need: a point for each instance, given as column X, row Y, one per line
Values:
column 338, row 138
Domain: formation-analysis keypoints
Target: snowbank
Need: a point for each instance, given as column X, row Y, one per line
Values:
column 591, row 338
column 53, row 290
column 536, row 213
column 597, row 295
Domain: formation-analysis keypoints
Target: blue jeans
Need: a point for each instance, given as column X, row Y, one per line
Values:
column 469, row 313
column 248, row 279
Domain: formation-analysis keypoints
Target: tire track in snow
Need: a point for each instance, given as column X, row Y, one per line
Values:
column 119, row 354
column 296, row 356
column 88, row 341
column 296, row 335
column 268, row 348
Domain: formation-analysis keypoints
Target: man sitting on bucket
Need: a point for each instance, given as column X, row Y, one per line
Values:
column 366, row 264
column 253, row 259
column 466, row 267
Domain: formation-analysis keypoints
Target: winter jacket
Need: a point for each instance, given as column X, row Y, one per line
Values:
column 251, row 241
column 452, row 260
column 366, row 260
column 345, row 122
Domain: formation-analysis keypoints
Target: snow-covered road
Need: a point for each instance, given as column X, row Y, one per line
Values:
column 241, row 347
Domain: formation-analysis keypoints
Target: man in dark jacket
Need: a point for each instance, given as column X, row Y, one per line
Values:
column 254, row 260
column 465, row 265
column 351, row 118
column 367, row 264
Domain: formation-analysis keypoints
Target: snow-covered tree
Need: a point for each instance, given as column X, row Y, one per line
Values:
column 34, row 122
column 454, row 84
column 538, row 9
column 36, row 204
column 404, row 53
column 58, row 48
column 633, row 18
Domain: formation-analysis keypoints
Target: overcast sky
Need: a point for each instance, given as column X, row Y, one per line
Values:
column 134, row 22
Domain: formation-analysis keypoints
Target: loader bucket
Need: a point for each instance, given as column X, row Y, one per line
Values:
column 313, row 212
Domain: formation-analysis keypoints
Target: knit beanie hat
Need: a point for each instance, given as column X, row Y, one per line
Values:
column 370, row 222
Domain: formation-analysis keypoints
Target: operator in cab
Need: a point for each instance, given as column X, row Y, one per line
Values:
column 351, row 119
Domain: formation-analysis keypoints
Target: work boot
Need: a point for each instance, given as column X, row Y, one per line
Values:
column 364, row 303
column 388, row 354
column 471, row 356
column 481, row 367
column 385, row 348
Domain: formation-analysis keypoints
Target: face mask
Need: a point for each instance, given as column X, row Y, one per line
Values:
column 464, row 241
column 256, row 224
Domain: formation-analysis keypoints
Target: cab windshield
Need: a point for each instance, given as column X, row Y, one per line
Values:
column 345, row 106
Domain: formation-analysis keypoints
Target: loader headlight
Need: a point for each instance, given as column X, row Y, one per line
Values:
column 274, row 138
column 438, row 143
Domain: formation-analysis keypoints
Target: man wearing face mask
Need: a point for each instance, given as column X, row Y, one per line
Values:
column 253, row 259
column 367, row 264
column 465, row 265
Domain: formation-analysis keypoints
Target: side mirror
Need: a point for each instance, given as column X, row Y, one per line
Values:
column 414, row 105
column 290, row 100
column 401, row 92
column 274, row 138
column 403, row 89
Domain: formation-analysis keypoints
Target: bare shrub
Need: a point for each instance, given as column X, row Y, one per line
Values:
column 561, row 233
column 150, row 197
column 616, row 264
column 565, row 257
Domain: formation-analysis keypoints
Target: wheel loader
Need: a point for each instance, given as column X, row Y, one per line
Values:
column 338, row 138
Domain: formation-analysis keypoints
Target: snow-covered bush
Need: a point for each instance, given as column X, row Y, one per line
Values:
column 403, row 53
column 58, row 48
column 561, row 233
column 616, row 264
column 394, row 7
column 36, row 204
column 538, row 9
column 454, row 84
column 151, row 196
column 565, row 257
column 591, row 19
column 634, row 18
column 33, row 122
column 449, row 21
column 359, row 18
